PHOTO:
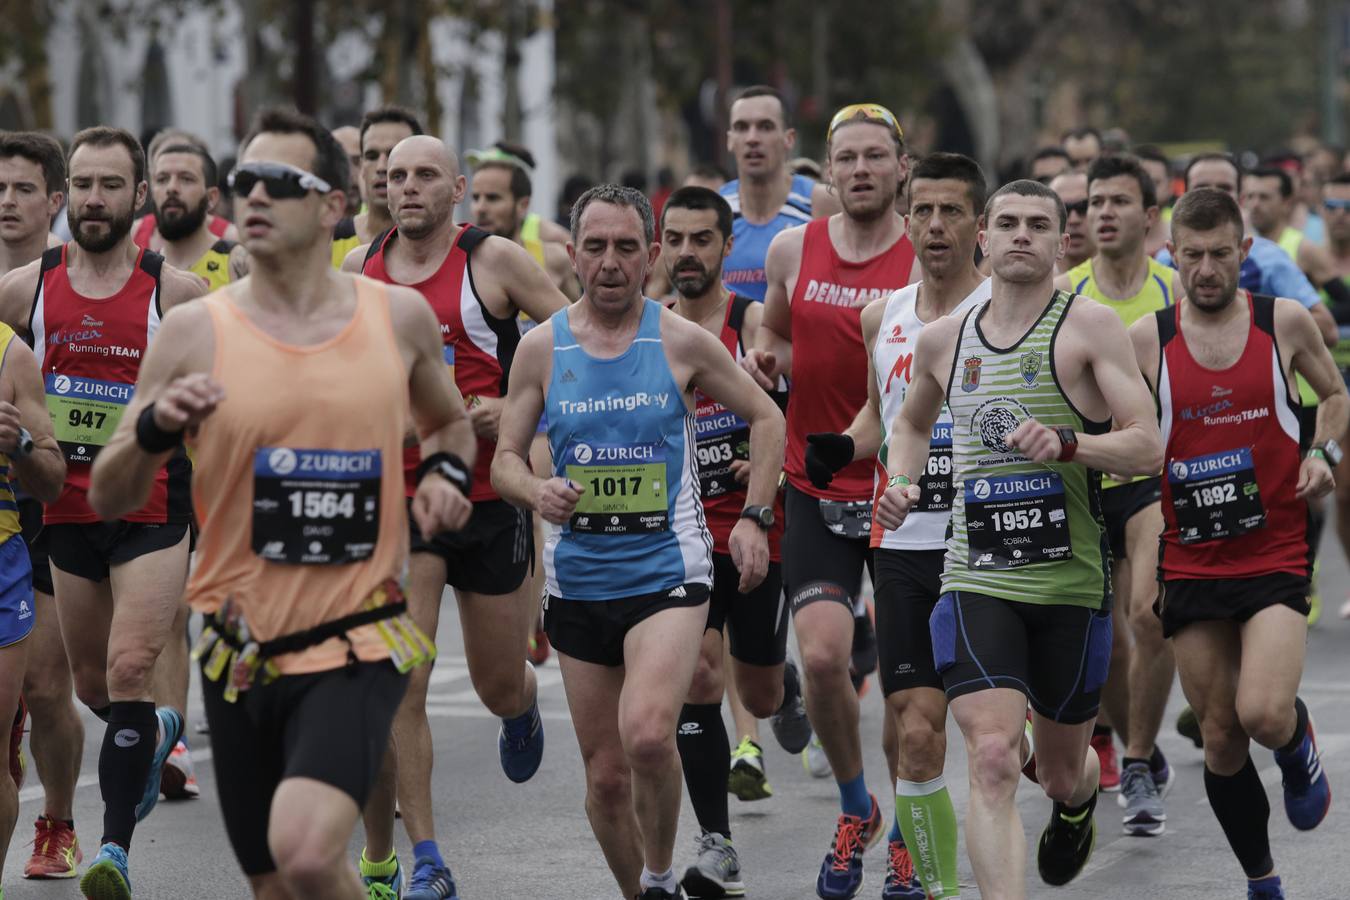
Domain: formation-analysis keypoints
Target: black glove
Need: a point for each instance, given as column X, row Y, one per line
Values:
column 827, row 453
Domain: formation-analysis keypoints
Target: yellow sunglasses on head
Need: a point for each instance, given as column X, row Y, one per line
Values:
column 868, row 112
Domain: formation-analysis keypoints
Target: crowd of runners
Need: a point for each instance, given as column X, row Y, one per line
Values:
column 1026, row 452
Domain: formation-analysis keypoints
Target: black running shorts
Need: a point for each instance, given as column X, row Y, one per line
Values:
column 1184, row 601
column 756, row 622
column 491, row 555
column 30, row 520
column 1119, row 505
column 908, row 585
column 817, row 563
column 593, row 630
column 89, row 550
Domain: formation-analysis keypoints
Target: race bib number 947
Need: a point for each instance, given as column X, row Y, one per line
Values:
column 85, row 413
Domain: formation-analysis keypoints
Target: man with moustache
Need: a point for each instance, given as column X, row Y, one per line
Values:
column 1072, row 188
column 477, row 284
column 820, row 276
column 91, row 308
column 145, row 230
column 183, row 180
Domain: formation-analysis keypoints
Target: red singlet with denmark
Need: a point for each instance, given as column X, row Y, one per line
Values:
column 829, row 361
column 721, row 437
column 479, row 345
column 90, row 353
column 1231, row 458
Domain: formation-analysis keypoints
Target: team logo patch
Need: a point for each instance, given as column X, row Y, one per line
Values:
column 212, row 266
column 1031, row 366
column 970, row 378
column 995, row 426
column 1180, row 470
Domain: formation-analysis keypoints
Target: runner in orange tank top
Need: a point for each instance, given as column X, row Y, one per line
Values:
column 299, row 493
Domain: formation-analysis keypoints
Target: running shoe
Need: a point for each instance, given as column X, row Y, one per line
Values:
column 430, row 882
column 746, row 779
column 170, row 731
column 178, row 780
column 790, row 725
column 1188, row 726
column 1105, row 746
column 1267, row 889
column 814, row 760
column 539, row 645
column 1307, row 793
column 56, row 851
column 1163, row 778
column 656, row 893
column 107, row 877
column 521, row 744
column 841, row 874
column 382, row 887
column 18, row 766
column 717, row 871
column 902, row 882
column 1143, row 805
column 1066, row 844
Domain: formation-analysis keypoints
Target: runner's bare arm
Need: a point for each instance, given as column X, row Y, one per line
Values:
column 772, row 354
column 355, row 260
column 174, row 377
column 42, row 472
column 1298, row 336
column 177, row 287
column 1134, row 446
column 17, row 289
column 912, row 430
column 527, row 286
column 1144, row 338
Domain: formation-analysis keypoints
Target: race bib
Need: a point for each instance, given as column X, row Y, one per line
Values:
column 315, row 507
column 85, row 413
column 625, row 488
column 1016, row 520
column 1215, row 496
column 847, row 518
column 935, row 485
column 722, row 437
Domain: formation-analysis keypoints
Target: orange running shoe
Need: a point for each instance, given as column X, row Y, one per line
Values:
column 539, row 645
column 56, row 851
column 1105, row 746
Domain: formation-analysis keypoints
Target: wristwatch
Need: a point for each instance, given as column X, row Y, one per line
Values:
column 760, row 515
column 1068, row 441
column 1330, row 450
column 23, row 446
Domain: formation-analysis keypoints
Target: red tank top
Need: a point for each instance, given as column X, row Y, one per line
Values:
column 829, row 360
column 479, row 345
column 146, row 230
column 90, row 353
column 1232, row 458
column 722, row 436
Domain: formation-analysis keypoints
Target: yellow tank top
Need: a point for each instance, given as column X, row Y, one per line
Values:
column 345, row 241
column 1290, row 240
column 1156, row 293
column 299, row 492
column 9, row 506
column 529, row 236
column 214, row 265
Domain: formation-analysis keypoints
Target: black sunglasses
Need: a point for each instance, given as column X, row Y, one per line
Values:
column 1080, row 207
column 282, row 182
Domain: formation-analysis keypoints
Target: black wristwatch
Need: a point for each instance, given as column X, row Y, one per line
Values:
column 760, row 515
column 23, row 446
column 1330, row 450
column 448, row 466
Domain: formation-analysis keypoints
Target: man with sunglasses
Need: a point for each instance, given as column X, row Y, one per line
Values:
column 477, row 284
column 91, row 309
column 304, row 530
column 1072, row 188
column 820, row 277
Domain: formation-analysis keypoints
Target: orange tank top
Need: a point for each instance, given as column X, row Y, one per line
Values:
column 298, row 481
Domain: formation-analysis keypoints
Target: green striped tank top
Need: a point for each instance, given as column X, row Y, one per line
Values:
column 1022, row 531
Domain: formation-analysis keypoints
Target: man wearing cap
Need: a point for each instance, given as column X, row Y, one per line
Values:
column 820, row 276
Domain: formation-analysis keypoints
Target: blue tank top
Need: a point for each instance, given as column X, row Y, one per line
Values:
column 743, row 270
column 620, row 428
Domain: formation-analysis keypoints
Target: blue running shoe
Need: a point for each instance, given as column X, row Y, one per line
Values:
column 1307, row 793
column 521, row 744
column 1265, row 889
column 171, row 730
column 107, row 877
column 841, row 874
column 902, row 882
column 384, row 885
column 431, row 882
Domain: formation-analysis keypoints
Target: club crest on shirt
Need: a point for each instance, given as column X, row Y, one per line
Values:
column 1031, row 366
column 970, row 378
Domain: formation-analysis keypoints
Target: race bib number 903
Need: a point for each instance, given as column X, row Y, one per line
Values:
column 315, row 507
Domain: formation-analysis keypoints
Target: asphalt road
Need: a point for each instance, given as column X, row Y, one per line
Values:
column 533, row 840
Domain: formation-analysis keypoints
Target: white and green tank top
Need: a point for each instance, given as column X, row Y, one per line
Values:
column 1023, row 531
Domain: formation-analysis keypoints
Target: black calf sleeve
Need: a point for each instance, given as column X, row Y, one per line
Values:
column 1239, row 803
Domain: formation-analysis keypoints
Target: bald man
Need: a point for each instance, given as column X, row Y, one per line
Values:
column 488, row 561
column 349, row 137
